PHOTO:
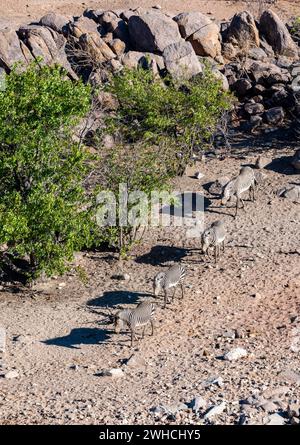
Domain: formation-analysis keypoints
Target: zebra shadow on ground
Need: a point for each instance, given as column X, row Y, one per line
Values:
column 80, row 336
column 116, row 298
column 161, row 254
column 282, row 165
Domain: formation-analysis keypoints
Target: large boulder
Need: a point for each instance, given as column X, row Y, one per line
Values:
column 57, row 22
column 203, row 34
column 12, row 50
column 48, row 44
column 134, row 59
column 83, row 25
column 242, row 31
column 277, row 35
column 97, row 49
column 152, row 31
column 181, row 60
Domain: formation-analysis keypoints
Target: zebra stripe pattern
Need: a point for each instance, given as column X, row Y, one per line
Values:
column 214, row 236
column 135, row 318
column 243, row 182
column 164, row 281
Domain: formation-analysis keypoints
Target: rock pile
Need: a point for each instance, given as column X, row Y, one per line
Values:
column 259, row 61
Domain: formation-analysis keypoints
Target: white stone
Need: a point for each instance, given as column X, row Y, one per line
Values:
column 235, row 354
column 116, row 372
column 11, row 375
column 276, row 419
column 215, row 410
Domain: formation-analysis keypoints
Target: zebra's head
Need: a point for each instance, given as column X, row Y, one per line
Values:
column 226, row 194
column 157, row 283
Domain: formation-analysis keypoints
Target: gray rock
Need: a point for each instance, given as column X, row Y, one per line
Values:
column 290, row 376
column 219, row 76
column 242, row 86
column 114, row 372
column 97, row 48
column 215, row 410
column 276, row 419
column 203, row 34
column 181, row 60
column 215, row 380
column 83, row 25
column 274, row 116
column 235, row 354
column 152, row 31
column 199, row 403
column 11, row 374
column 254, row 108
column 57, row 22
column 48, row 44
column 261, row 162
column 242, row 31
column 277, row 34
column 12, row 50
column 292, row 193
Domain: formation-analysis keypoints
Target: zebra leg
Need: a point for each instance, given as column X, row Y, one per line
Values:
column 216, row 254
column 165, row 299
column 143, row 334
column 132, row 337
column 223, row 245
column 182, row 291
column 152, row 326
column 174, row 292
column 236, row 207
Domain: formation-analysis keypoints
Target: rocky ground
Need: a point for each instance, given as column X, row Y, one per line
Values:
column 56, row 349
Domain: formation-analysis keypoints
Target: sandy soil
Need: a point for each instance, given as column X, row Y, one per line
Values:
column 57, row 346
column 16, row 12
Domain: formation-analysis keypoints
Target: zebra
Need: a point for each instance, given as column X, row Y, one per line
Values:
column 140, row 316
column 166, row 280
column 214, row 236
column 243, row 182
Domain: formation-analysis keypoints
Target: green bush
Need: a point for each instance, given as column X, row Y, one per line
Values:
column 181, row 116
column 43, row 215
column 141, row 168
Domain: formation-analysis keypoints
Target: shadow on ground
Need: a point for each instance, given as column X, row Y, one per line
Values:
column 116, row 298
column 80, row 336
column 159, row 255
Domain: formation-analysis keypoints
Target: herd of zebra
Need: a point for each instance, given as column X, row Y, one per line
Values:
column 211, row 238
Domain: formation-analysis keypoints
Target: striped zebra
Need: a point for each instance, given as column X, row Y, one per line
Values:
column 135, row 318
column 243, row 182
column 214, row 236
column 164, row 281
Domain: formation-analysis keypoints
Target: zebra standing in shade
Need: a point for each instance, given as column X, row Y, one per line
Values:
column 214, row 236
column 164, row 281
column 243, row 182
column 135, row 318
